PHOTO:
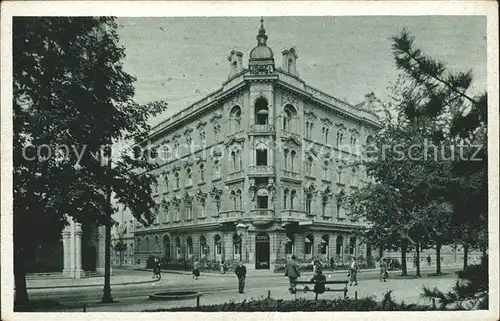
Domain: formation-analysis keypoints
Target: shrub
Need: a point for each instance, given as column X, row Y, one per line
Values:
column 268, row 304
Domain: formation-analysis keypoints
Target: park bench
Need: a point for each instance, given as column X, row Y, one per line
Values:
column 306, row 288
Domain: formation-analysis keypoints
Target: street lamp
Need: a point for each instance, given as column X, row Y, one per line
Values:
column 240, row 230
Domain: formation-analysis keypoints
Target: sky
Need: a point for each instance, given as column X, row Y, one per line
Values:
column 180, row 60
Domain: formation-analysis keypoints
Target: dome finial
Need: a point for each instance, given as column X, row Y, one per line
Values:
column 261, row 37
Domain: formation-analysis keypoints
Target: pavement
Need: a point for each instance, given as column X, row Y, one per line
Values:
column 223, row 288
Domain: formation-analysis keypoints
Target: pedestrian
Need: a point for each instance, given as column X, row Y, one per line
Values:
column 196, row 269
column 157, row 269
column 292, row 271
column 313, row 262
column 332, row 264
column 429, row 260
column 241, row 273
column 222, row 267
column 319, row 286
column 383, row 270
column 353, row 271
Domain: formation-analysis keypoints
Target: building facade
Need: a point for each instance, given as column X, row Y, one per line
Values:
column 123, row 233
column 257, row 169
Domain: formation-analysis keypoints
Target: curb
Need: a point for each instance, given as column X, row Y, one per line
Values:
column 84, row 285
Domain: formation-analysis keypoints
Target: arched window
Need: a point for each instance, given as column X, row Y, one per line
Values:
column 290, row 66
column 189, row 176
column 290, row 244
column 203, row 246
column 238, row 196
column 189, row 208
column 289, row 117
column 285, row 159
column 309, row 164
column 352, row 246
column 216, row 168
column 235, row 119
column 285, row 197
column 309, row 244
column 139, row 245
column 177, row 179
column 293, row 195
column 202, row 172
column 157, row 243
column 309, row 198
column 240, row 159
column 261, row 112
column 236, row 246
column 146, row 243
column 324, row 205
column 308, row 132
column 218, row 244
column 178, row 247
column 217, row 203
column 324, row 244
column 189, row 247
column 340, row 246
column 262, row 199
column 233, row 160
column 233, row 198
column 326, row 167
column 293, row 155
column 176, row 149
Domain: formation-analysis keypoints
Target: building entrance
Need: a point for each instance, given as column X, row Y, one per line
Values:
column 262, row 251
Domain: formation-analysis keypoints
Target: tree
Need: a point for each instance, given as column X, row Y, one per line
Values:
column 120, row 246
column 72, row 99
column 448, row 94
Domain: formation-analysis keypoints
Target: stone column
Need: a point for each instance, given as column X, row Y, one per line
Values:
column 66, row 236
column 78, row 251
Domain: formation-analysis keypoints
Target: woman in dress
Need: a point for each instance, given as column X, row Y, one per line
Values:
column 196, row 269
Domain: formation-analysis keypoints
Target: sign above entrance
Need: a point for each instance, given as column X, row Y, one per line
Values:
column 262, row 237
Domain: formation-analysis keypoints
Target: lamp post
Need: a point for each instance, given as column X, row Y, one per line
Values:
column 240, row 230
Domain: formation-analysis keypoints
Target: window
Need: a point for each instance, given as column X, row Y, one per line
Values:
column 216, row 168
column 189, row 175
column 177, row 180
column 203, row 246
column 166, row 182
column 325, row 169
column 217, row 203
column 189, row 209
column 157, row 243
column 236, row 246
column 146, row 244
column 218, row 245
column 202, row 172
column 285, row 159
column 293, row 154
column 352, row 246
column 178, row 247
column 189, row 246
column 324, row 205
column 308, row 129
column 261, row 112
column 238, row 196
column 309, row 163
column 261, row 155
column 323, row 248
column 340, row 245
column 289, row 114
column 340, row 137
column 203, row 205
column 233, row 160
column 339, row 176
column 292, row 199
column 240, row 159
column 326, row 132
column 176, row 149
column 233, row 198
column 235, row 120
column 308, row 246
column 262, row 201
column 309, row 203
column 285, row 197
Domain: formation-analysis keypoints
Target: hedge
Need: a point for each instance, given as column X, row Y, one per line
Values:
column 269, row 304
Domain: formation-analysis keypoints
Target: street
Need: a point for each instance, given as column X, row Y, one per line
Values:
column 222, row 288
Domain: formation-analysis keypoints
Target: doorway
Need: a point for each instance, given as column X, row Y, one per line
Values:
column 262, row 252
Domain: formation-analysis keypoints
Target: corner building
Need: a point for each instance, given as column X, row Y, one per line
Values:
column 256, row 170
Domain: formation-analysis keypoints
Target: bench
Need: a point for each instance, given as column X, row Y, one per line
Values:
column 326, row 283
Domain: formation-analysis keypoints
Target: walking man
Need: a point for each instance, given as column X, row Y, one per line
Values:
column 353, row 271
column 383, row 270
column 241, row 273
column 292, row 271
column 157, row 269
column 332, row 264
column 429, row 260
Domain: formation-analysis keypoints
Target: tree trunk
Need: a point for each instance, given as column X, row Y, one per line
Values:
column 381, row 251
column 438, row 258
column 107, row 298
column 21, row 298
column 417, row 258
column 404, row 248
column 466, row 255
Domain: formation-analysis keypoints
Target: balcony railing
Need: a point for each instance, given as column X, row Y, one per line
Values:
column 290, row 174
column 261, row 170
column 292, row 214
column 261, row 128
column 235, row 175
column 231, row 214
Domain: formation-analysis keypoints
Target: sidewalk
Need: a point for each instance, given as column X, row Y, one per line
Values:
column 97, row 281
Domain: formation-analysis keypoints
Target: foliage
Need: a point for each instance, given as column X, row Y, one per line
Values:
column 268, row 305
column 469, row 292
column 71, row 100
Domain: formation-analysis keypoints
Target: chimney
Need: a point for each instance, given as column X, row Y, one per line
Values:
column 235, row 62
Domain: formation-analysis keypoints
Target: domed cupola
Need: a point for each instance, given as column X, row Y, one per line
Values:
column 261, row 57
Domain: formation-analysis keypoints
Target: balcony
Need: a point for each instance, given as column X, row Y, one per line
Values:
column 262, row 170
column 287, row 134
column 262, row 216
column 290, row 174
column 261, row 129
column 234, row 175
column 231, row 215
